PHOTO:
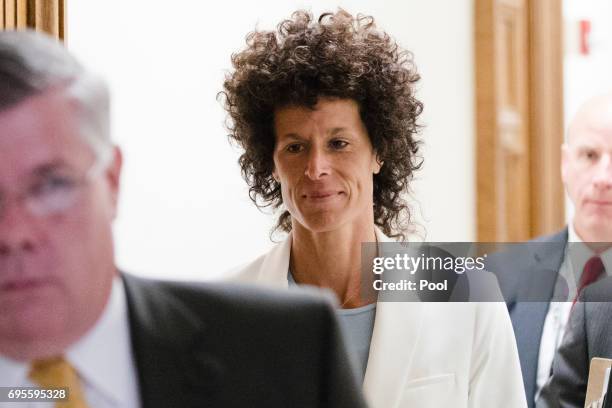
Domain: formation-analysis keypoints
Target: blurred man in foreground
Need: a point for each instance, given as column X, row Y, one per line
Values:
column 69, row 319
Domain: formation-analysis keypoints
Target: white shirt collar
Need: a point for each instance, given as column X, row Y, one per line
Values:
column 103, row 357
column 12, row 373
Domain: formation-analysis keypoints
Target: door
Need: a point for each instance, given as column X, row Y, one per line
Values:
column 519, row 119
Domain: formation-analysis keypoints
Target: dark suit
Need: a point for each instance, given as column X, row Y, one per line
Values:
column 199, row 345
column 588, row 335
column 527, row 275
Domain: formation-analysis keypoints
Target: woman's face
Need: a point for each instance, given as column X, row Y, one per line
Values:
column 325, row 164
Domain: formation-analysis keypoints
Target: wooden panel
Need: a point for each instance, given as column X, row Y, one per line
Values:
column 518, row 118
column 14, row 15
column 61, row 19
column 486, row 119
column 9, row 14
column 546, row 118
column 21, row 13
column 49, row 16
column 41, row 15
column 512, row 126
column 503, row 150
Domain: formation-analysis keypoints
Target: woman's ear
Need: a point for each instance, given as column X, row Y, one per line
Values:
column 377, row 165
column 275, row 176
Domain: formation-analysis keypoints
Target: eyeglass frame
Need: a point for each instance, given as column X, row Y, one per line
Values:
column 69, row 190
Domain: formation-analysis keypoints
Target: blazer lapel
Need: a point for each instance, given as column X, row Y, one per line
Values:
column 397, row 328
column 167, row 339
column 275, row 266
column 396, row 332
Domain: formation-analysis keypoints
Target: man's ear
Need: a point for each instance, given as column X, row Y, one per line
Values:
column 565, row 159
column 113, row 177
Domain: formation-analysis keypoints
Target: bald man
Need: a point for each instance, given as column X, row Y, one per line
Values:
column 552, row 272
column 587, row 171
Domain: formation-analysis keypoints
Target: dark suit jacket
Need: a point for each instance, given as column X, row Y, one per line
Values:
column 588, row 334
column 527, row 274
column 206, row 345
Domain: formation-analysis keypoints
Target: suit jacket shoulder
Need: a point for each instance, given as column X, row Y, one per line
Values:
column 234, row 346
column 587, row 336
column 527, row 271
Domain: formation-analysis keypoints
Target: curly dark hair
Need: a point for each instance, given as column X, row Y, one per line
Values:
column 337, row 56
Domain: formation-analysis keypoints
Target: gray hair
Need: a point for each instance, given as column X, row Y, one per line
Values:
column 32, row 63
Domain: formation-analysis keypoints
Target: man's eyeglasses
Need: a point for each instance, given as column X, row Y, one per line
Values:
column 55, row 192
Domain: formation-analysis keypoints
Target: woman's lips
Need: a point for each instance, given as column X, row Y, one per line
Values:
column 321, row 195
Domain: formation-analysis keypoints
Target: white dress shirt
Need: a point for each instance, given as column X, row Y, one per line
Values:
column 574, row 259
column 102, row 358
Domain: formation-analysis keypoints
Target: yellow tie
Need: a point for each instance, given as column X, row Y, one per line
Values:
column 58, row 373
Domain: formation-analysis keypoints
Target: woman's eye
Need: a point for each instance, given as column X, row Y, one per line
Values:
column 294, row 148
column 338, row 144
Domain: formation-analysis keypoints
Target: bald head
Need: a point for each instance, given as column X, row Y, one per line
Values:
column 587, row 169
column 595, row 115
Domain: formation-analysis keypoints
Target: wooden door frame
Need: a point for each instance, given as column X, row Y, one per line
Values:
column 42, row 15
column 545, row 117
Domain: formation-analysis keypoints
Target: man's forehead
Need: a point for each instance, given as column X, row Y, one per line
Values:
column 592, row 121
column 591, row 136
column 39, row 133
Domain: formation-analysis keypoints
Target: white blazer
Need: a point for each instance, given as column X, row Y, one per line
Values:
column 426, row 355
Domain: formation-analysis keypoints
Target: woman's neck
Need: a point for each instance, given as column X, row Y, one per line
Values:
column 333, row 259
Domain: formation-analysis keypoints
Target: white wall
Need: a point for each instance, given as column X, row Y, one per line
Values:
column 184, row 210
column 589, row 75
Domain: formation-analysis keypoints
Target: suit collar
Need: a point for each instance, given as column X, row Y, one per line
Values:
column 547, row 254
column 528, row 317
column 167, row 340
column 548, row 251
column 161, row 318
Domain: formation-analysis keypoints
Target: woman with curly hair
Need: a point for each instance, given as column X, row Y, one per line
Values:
column 326, row 114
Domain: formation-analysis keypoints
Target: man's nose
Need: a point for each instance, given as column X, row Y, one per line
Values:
column 603, row 173
column 17, row 228
column 318, row 163
column 602, row 179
